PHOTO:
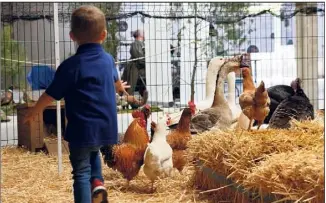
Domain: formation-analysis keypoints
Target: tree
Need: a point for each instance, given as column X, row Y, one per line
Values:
column 12, row 55
column 230, row 33
column 112, row 42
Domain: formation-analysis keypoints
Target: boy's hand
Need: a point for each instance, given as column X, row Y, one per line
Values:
column 121, row 87
column 43, row 101
column 30, row 114
column 124, row 87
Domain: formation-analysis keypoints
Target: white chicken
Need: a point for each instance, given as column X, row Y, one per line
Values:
column 158, row 155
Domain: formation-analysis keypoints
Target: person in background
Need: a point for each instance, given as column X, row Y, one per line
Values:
column 88, row 82
column 134, row 73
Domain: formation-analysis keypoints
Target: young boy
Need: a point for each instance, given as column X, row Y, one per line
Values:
column 88, row 82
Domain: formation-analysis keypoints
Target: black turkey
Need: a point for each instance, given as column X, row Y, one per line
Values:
column 297, row 107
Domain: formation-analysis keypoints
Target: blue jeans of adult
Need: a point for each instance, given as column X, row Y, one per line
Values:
column 86, row 166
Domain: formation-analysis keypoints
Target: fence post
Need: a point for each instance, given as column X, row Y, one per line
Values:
column 57, row 63
column 306, row 48
column 0, row 102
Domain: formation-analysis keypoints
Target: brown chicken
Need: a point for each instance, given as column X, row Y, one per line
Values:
column 128, row 157
column 136, row 132
column 254, row 102
column 179, row 138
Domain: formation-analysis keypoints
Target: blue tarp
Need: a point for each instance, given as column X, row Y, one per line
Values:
column 40, row 77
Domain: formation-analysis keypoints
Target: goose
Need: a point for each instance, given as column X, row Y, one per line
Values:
column 235, row 108
column 219, row 114
column 213, row 68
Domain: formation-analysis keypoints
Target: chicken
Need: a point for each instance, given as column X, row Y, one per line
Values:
column 158, row 155
column 297, row 107
column 180, row 159
column 172, row 120
column 136, row 132
column 144, row 112
column 254, row 102
column 127, row 157
column 179, row 138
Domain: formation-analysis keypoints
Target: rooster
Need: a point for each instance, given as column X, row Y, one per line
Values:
column 254, row 102
column 127, row 157
column 179, row 138
column 158, row 155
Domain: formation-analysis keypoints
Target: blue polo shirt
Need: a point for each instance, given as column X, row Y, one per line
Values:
column 86, row 82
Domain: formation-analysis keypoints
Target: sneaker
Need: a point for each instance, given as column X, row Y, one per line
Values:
column 99, row 193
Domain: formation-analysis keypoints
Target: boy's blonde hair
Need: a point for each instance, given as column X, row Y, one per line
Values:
column 87, row 23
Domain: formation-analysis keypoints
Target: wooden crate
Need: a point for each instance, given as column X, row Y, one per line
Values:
column 51, row 147
column 31, row 135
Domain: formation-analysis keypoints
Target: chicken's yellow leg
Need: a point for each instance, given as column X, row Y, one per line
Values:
column 249, row 127
column 152, row 187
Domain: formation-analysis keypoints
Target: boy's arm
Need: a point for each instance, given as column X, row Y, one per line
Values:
column 120, row 86
column 40, row 105
column 63, row 80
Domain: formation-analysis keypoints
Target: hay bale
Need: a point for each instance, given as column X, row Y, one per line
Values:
column 299, row 175
column 33, row 178
column 232, row 157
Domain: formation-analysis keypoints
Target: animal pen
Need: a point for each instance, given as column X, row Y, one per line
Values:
column 284, row 40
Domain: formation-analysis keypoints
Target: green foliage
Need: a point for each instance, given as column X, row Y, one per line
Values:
column 232, row 33
column 112, row 42
column 153, row 110
column 12, row 52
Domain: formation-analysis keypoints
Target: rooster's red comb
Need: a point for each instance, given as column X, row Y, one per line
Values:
column 190, row 103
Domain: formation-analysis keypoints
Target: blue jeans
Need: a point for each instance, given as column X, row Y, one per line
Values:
column 86, row 166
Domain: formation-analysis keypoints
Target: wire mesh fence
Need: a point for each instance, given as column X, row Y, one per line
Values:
column 285, row 41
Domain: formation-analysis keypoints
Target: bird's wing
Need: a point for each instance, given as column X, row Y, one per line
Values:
column 201, row 123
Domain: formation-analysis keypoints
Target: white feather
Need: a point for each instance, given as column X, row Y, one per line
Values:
column 158, row 155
